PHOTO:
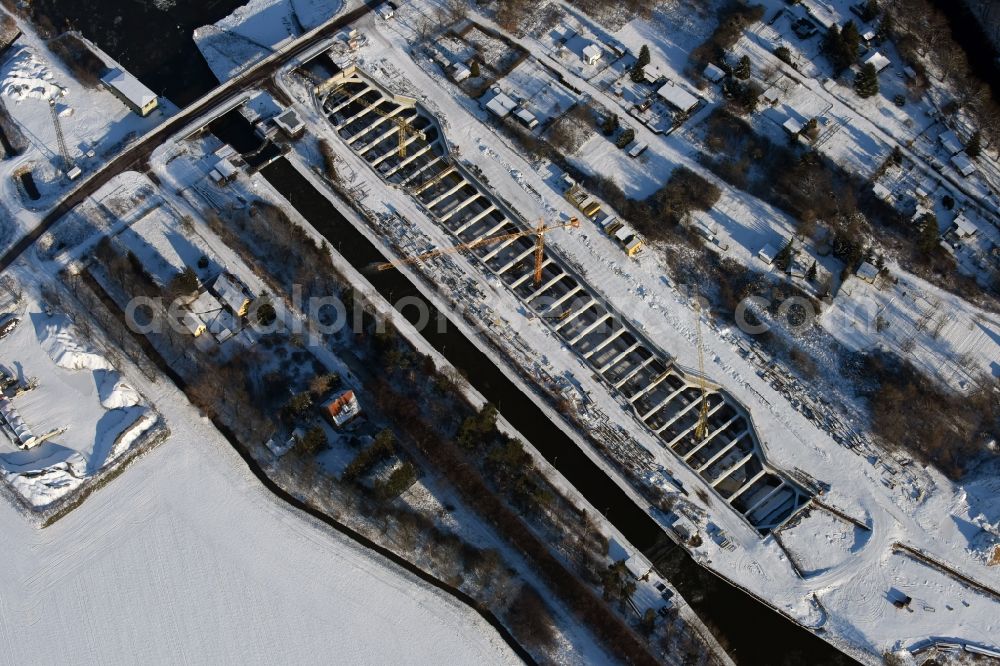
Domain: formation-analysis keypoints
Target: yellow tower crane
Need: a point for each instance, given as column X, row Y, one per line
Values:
column 701, row 430
column 406, row 130
column 538, row 232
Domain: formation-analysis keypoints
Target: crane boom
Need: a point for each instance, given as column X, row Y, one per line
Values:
column 701, row 430
column 540, row 251
column 489, row 240
column 403, row 129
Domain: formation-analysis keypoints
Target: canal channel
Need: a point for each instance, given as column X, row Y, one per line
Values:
column 738, row 619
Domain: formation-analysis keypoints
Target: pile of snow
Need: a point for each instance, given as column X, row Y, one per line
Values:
column 28, row 77
column 59, row 340
column 115, row 393
column 42, row 487
column 132, row 434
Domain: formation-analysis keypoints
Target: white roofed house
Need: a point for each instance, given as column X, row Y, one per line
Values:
column 964, row 165
column 713, row 73
column 767, row 254
column 459, row 72
column 677, row 97
column 867, row 272
column 232, row 293
column 214, row 317
column 877, row 60
column 130, row 90
column 964, row 227
column 526, row 118
column 591, row 54
column 950, row 142
column 500, row 105
column 792, row 126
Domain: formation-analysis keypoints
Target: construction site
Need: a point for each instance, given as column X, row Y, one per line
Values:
column 704, row 426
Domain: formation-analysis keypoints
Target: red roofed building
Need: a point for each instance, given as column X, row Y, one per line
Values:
column 342, row 408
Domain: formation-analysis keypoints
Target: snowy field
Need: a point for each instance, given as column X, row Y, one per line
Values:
column 186, row 558
column 821, row 540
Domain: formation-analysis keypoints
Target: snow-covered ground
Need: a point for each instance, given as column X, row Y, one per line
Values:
column 900, row 505
column 187, row 557
column 256, row 29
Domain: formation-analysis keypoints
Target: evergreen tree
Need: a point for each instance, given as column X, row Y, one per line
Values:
column 783, row 260
column 927, row 241
column 643, row 57
column 642, row 61
column 811, row 273
column 742, row 70
column 850, row 39
column 474, row 69
column 974, row 147
column 313, row 441
column 625, row 138
column 610, row 124
column 871, row 10
column 841, row 46
column 866, row 82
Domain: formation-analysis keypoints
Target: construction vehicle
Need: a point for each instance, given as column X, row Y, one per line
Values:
column 701, row 430
column 406, row 130
column 538, row 232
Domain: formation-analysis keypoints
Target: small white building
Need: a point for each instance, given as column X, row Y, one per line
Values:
column 949, row 141
column 677, row 97
column 624, row 233
column 877, row 60
column 385, row 11
column 651, row 73
column 232, row 293
column 713, row 73
column 226, row 170
column 792, row 126
column 130, row 90
column 867, row 272
column 591, row 54
column 459, row 72
column 964, row 227
column 927, row 187
column 636, row 148
column 526, row 118
column 882, row 192
column 500, row 105
column 290, row 123
column 767, row 254
column 214, row 318
column 771, row 95
column 963, row 164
